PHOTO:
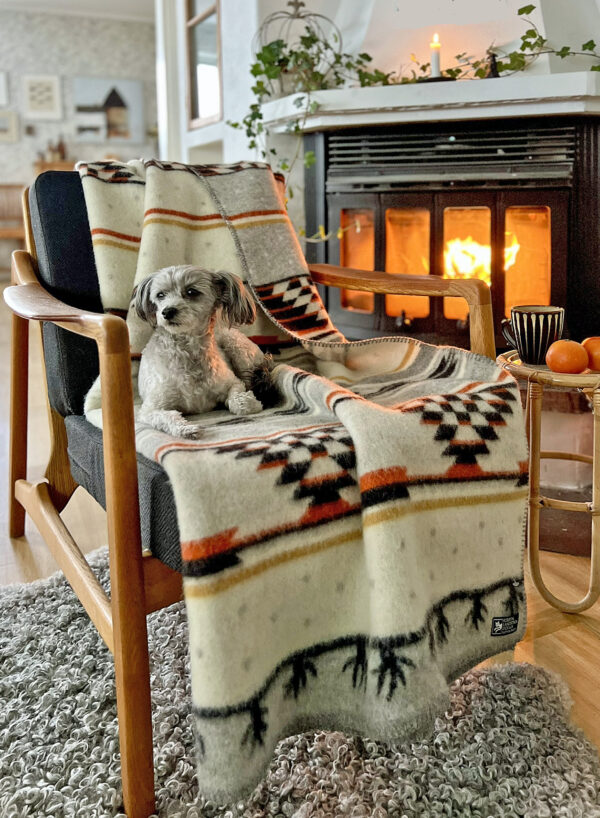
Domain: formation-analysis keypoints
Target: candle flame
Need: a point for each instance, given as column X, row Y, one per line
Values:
column 436, row 39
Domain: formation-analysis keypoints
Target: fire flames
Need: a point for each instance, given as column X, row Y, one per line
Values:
column 466, row 258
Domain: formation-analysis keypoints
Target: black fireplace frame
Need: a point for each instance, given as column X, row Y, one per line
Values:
column 552, row 161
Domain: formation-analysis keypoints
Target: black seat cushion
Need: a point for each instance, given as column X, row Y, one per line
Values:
column 67, row 269
column 160, row 532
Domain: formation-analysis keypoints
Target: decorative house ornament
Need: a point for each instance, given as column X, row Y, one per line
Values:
column 41, row 97
column 108, row 110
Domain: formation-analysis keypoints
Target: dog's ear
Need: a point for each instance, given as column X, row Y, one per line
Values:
column 236, row 302
column 144, row 307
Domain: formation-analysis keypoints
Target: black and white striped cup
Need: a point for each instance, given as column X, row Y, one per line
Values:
column 531, row 330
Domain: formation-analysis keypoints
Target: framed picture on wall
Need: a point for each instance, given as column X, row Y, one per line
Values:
column 41, row 97
column 3, row 88
column 9, row 126
column 109, row 110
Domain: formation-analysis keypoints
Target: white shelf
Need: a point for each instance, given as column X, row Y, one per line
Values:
column 519, row 95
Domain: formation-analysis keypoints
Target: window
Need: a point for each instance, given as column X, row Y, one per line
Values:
column 204, row 63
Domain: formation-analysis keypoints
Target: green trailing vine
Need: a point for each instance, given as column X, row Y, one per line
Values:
column 311, row 64
column 499, row 63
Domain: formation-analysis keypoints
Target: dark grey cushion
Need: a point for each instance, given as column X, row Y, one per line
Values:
column 160, row 533
column 66, row 267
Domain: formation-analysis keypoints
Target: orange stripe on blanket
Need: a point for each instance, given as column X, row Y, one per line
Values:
column 257, row 213
column 105, row 232
column 215, row 226
column 464, row 471
column 182, row 214
column 328, row 511
column 209, row 546
column 383, row 477
column 206, row 217
column 469, row 387
column 183, row 225
column 332, row 395
column 226, row 540
column 112, row 243
column 196, row 446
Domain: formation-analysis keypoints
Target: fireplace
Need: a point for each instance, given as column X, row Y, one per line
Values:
column 510, row 201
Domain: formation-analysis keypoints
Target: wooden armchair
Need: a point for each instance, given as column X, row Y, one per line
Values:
column 143, row 575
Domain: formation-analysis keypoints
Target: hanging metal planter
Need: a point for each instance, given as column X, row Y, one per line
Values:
column 305, row 46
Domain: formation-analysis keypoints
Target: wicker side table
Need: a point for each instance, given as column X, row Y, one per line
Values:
column 537, row 377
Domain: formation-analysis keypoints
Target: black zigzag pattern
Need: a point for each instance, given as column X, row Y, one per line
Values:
column 295, row 304
column 293, row 455
column 482, row 412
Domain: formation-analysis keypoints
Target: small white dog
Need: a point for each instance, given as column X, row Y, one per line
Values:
column 195, row 359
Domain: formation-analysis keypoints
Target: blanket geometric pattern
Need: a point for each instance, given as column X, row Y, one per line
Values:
column 350, row 551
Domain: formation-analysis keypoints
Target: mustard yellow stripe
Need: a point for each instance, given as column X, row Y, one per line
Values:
column 223, row 583
column 259, row 223
column 184, row 225
column 118, row 244
column 410, row 350
column 393, row 512
column 216, row 225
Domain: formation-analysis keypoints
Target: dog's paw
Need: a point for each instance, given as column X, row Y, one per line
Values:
column 171, row 422
column 191, row 431
column 244, row 403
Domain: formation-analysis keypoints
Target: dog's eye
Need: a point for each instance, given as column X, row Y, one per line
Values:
column 191, row 292
column 159, row 296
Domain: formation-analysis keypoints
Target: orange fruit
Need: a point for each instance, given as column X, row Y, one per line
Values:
column 592, row 347
column 567, row 356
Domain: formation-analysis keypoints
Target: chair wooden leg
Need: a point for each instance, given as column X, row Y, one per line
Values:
column 132, row 672
column 128, row 600
column 18, row 421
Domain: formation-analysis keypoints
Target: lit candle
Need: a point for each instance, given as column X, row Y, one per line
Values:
column 435, row 47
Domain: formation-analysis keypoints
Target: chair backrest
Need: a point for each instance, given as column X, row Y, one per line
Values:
column 63, row 246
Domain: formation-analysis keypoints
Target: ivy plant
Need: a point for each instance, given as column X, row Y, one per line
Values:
column 311, row 64
column 532, row 45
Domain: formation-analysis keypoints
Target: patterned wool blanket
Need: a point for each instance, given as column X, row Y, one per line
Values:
column 351, row 550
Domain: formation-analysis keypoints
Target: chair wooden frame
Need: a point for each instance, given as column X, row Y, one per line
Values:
column 140, row 583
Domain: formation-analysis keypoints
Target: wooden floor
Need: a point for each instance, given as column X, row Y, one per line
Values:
column 567, row 644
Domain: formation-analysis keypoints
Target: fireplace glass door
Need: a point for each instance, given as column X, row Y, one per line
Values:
column 357, row 250
column 467, row 251
column 505, row 239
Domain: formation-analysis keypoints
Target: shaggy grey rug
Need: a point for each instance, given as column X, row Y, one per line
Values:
column 504, row 749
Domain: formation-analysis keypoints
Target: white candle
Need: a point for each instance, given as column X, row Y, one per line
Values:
column 435, row 47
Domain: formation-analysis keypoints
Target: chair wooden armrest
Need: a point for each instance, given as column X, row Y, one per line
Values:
column 28, row 299
column 475, row 292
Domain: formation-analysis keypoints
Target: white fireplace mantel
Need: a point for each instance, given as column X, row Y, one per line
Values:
column 574, row 93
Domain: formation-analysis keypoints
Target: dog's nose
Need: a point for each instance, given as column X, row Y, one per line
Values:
column 169, row 312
